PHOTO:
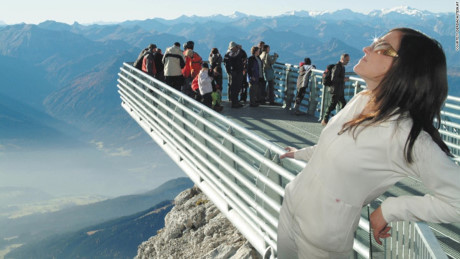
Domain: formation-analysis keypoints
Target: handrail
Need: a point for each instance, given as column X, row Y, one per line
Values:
column 239, row 171
column 317, row 98
column 239, row 168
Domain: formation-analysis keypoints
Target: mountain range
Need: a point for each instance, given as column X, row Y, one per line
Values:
column 118, row 238
column 114, row 215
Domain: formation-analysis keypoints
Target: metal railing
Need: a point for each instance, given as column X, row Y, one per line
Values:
column 317, row 99
column 450, row 125
column 239, row 171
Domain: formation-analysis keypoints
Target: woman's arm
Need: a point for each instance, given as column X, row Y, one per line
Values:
column 439, row 174
column 300, row 154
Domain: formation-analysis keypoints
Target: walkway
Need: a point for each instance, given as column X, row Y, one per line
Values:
column 276, row 124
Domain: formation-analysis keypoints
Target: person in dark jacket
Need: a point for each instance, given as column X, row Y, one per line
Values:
column 262, row 83
column 305, row 70
column 338, row 87
column 245, row 84
column 158, row 60
column 234, row 63
column 138, row 63
column 254, row 72
column 148, row 64
column 215, row 61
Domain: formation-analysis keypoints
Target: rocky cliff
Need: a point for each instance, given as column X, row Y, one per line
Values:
column 195, row 228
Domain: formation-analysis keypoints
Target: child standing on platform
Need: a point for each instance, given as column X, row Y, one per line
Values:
column 205, row 85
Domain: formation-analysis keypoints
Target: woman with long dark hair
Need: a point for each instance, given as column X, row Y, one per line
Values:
column 383, row 135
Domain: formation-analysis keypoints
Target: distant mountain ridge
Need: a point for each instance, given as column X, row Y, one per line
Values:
column 10, row 196
column 35, row 227
column 118, row 238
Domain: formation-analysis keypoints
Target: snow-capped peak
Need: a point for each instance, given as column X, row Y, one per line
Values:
column 404, row 10
column 237, row 15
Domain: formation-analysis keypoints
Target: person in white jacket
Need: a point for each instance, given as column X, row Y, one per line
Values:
column 383, row 135
column 174, row 61
column 205, row 85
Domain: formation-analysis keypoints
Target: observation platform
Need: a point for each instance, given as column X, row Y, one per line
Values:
column 233, row 157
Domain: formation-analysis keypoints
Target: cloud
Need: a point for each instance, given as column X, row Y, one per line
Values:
column 136, row 136
column 120, row 152
column 99, row 144
column 9, row 147
column 114, row 152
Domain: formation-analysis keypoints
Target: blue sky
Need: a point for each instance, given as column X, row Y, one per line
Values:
column 90, row 11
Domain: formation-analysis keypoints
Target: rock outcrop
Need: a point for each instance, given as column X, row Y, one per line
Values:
column 195, row 228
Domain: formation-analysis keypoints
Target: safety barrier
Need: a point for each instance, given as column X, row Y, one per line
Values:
column 239, row 171
column 316, row 101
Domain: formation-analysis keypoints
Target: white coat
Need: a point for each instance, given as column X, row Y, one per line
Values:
column 204, row 82
column 323, row 203
column 172, row 60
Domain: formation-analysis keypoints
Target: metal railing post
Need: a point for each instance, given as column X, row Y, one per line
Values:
column 313, row 103
column 288, row 90
column 325, row 100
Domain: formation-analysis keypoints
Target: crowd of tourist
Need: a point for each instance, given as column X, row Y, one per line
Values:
column 185, row 71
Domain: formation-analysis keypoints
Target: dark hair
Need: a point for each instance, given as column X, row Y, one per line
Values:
column 344, row 55
column 307, row 61
column 254, row 49
column 214, row 51
column 177, row 44
column 266, row 47
column 190, row 44
column 416, row 85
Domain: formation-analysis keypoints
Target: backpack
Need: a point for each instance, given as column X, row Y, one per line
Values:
column 146, row 60
column 195, row 85
column 138, row 63
column 327, row 75
column 196, row 64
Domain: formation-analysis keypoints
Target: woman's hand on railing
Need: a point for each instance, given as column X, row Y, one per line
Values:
column 379, row 225
column 290, row 152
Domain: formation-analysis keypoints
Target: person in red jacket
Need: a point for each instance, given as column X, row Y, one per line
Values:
column 192, row 67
